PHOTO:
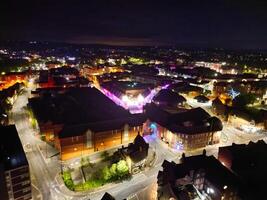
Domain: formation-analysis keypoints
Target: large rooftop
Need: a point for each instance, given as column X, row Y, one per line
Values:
column 11, row 151
column 120, row 87
column 215, row 172
column 190, row 121
column 76, row 106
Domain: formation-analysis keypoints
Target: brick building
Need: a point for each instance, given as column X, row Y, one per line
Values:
column 82, row 120
column 185, row 130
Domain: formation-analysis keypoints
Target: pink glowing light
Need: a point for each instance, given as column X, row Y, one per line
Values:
column 134, row 105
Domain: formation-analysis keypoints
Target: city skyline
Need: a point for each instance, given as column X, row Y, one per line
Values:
column 133, row 100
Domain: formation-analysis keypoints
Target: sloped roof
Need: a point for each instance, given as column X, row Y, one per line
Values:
column 168, row 96
column 215, row 172
column 76, row 106
column 202, row 98
column 191, row 121
column 107, row 196
column 217, row 101
column 115, row 124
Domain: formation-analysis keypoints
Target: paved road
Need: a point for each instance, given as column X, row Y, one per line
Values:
column 142, row 182
column 42, row 174
column 141, row 186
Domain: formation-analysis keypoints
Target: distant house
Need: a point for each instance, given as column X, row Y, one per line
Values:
column 254, row 117
column 15, row 181
column 197, row 177
column 219, row 108
column 186, row 88
column 53, row 64
column 188, row 129
column 258, row 88
column 221, row 88
column 167, row 97
column 61, row 77
column 202, row 99
column 151, row 79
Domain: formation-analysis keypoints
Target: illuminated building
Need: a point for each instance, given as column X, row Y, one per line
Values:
column 185, row 130
column 15, row 182
column 97, row 71
column 79, row 121
column 135, row 153
column 8, row 97
column 61, row 77
column 258, row 88
column 11, row 78
column 186, row 88
column 197, row 177
column 130, row 95
column 167, row 97
column 214, row 66
column 53, row 64
column 75, row 141
column 151, row 79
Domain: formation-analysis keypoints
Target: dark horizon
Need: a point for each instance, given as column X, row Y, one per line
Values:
column 205, row 24
column 187, row 47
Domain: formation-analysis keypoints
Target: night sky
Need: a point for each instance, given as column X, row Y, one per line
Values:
column 194, row 23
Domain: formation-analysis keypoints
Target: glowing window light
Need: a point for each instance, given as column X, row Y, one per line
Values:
column 134, row 105
column 179, row 145
column 140, row 98
column 125, row 98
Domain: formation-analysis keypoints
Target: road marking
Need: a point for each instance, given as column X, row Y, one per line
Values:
column 40, row 194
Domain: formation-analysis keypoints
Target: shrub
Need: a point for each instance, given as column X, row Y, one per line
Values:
column 106, row 173
column 122, row 168
column 68, row 180
column 105, row 156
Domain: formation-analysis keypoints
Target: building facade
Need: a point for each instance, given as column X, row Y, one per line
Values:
column 90, row 141
column 15, row 179
column 197, row 177
column 187, row 130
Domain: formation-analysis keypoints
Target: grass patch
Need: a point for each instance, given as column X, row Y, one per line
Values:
column 90, row 184
column 116, row 172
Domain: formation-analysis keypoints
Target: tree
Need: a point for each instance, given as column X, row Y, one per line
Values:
column 122, row 168
column 106, row 173
column 113, row 170
column 85, row 161
column 243, row 100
